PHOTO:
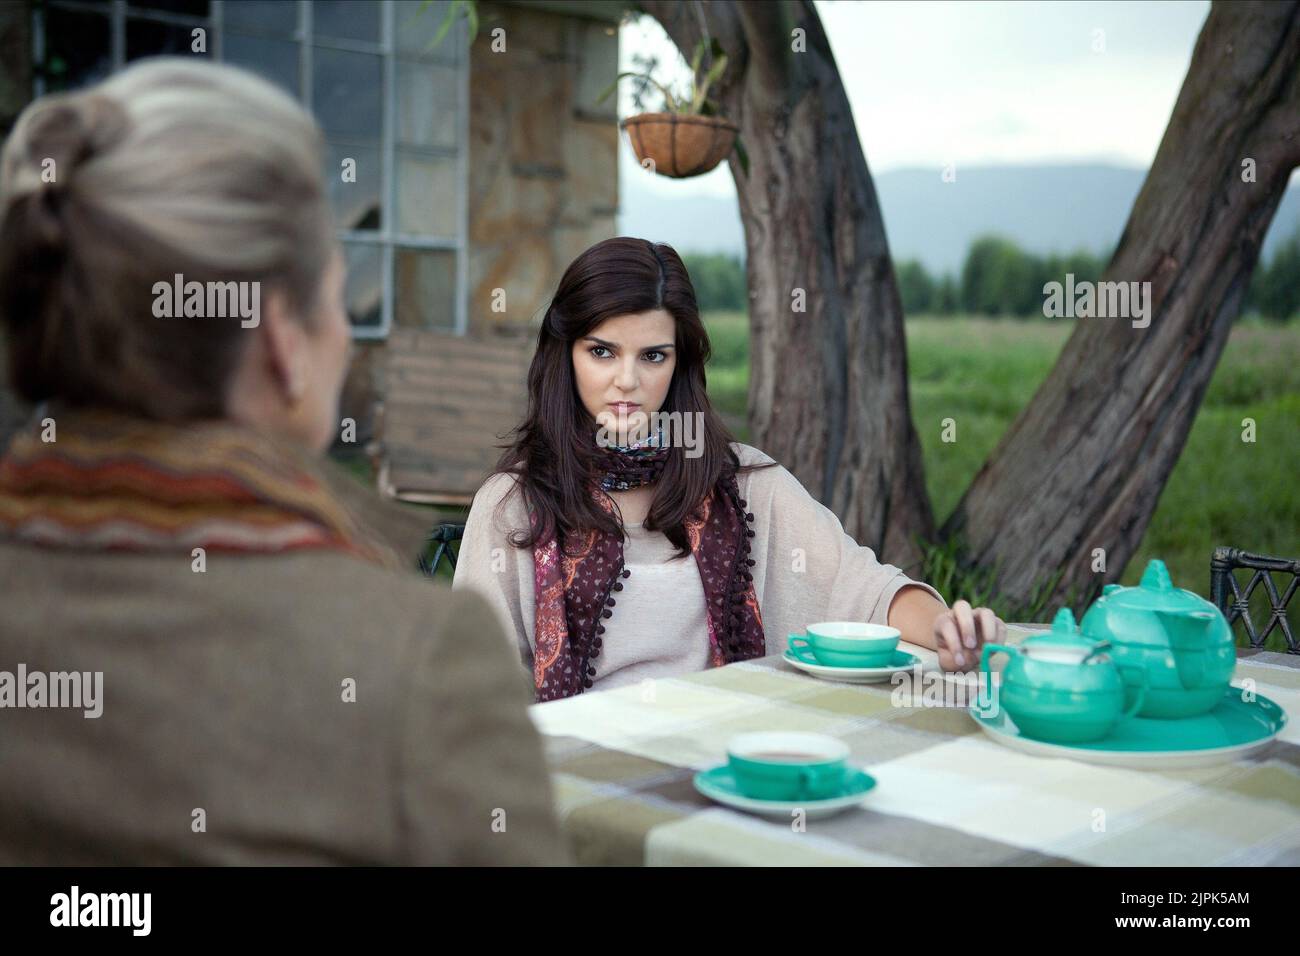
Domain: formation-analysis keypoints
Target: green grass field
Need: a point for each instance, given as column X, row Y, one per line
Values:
column 981, row 372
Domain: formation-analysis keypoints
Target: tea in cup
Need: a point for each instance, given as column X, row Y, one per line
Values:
column 788, row 766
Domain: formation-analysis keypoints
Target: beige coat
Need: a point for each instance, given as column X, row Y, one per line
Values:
column 225, row 737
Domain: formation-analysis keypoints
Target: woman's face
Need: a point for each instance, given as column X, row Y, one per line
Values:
column 289, row 382
column 623, row 368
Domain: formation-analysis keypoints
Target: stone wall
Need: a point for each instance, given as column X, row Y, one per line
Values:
column 543, row 179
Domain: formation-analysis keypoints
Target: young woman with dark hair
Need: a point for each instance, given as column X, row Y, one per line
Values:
column 621, row 472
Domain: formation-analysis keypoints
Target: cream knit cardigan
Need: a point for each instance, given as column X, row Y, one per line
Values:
column 807, row 568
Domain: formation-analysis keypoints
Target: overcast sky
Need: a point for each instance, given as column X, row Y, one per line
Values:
column 977, row 83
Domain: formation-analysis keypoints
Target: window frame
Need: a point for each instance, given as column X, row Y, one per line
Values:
column 387, row 238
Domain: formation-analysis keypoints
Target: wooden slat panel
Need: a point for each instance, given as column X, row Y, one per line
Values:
column 442, row 480
column 449, row 402
column 427, row 344
column 411, row 382
column 443, row 409
column 407, row 368
column 475, row 431
column 432, row 454
column 470, row 436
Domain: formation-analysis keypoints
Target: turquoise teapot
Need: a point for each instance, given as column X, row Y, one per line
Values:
column 1060, row 686
column 1178, row 639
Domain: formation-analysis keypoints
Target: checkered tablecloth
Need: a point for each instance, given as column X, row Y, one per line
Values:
column 622, row 761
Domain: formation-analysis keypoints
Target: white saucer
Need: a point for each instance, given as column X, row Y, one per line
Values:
column 853, row 675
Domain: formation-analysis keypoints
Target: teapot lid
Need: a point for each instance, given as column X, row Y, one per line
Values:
column 1064, row 634
column 1156, row 592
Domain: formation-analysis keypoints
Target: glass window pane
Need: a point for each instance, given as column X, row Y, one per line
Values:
column 346, row 92
column 357, row 205
column 78, row 49
column 427, row 99
column 346, row 19
column 194, row 8
column 415, row 26
column 364, row 292
column 262, row 16
column 275, row 60
column 597, row 67
column 151, row 38
column 424, row 288
column 426, row 200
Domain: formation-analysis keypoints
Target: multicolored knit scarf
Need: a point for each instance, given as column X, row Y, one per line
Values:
column 113, row 482
column 624, row 467
column 574, row 586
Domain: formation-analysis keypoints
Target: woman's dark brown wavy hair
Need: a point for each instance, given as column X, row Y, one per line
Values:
column 553, row 451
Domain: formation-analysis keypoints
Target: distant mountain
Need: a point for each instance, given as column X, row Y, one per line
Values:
column 1042, row 208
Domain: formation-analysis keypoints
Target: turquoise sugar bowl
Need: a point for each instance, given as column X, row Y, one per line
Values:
column 1181, row 641
column 1061, row 687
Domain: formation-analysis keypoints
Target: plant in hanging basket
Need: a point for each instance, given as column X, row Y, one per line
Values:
column 687, row 138
column 680, row 145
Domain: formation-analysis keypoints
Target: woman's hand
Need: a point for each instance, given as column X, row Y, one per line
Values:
column 961, row 632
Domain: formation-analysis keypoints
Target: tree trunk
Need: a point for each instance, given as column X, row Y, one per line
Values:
column 1083, row 466
column 828, row 368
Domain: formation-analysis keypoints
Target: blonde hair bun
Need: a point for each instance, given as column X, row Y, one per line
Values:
column 173, row 165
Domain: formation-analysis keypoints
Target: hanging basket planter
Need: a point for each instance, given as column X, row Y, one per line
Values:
column 680, row 145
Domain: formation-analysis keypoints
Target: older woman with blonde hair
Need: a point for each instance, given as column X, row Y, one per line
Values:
column 271, row 685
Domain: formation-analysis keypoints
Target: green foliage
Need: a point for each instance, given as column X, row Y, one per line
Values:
column 999, row 278
column 671, row 103
column 945, row 567
column 1222, row 491
column 727, row 373
column 983, row 372
column 455, row 10
column 710, row 76
column 915, row 287
column 729, row 337
column 696, row 100
column 947, row 296
column 1275, row 288
column 719, row 282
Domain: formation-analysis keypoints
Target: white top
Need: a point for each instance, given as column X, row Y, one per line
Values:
column 648, row 636
column 807, row 570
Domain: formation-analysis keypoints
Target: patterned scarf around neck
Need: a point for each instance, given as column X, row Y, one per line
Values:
column 109, row 481
column 575, row 582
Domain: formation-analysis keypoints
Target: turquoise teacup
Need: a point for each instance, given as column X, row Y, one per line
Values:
column 846, row 644
column 788, row 766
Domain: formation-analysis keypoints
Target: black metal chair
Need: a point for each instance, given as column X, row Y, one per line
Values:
column 441, row 540
column 1234, row 602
